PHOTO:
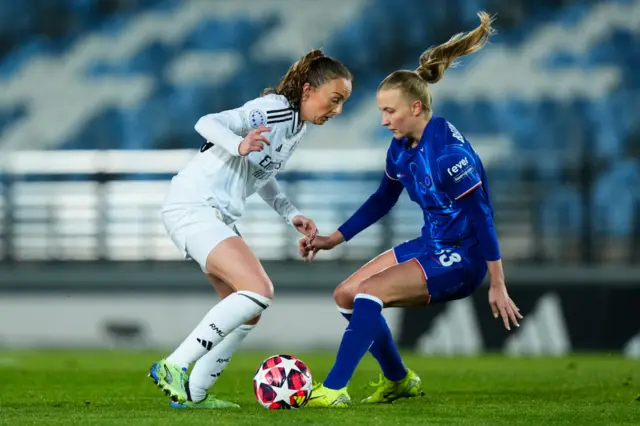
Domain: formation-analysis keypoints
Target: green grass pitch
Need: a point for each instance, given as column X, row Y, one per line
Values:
column 111, row 388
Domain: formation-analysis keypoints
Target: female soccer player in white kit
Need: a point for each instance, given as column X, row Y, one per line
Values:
column 245, row 148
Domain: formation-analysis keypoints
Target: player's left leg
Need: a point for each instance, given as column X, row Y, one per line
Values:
column 383, row 348
column 399, row 285
column 451, row 275
column 208, row 369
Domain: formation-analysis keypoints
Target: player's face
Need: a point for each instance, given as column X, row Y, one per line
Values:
column 398, row 114
column 325, row 102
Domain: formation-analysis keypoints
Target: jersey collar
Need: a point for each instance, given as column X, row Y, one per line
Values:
column 427, row 135
column 296, row 124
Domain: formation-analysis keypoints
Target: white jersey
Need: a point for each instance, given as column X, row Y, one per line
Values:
column 220, row 177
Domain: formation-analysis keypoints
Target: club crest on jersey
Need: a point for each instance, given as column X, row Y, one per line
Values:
column 257, row 118
column 428, row 182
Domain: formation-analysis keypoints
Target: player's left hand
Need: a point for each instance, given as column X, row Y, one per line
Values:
column 305, row 226
column 503, row 306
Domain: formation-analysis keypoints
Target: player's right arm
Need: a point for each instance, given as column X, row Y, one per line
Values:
column 239, row 131
column 374, row 209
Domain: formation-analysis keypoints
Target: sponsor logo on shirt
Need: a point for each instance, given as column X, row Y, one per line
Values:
column 460, row 170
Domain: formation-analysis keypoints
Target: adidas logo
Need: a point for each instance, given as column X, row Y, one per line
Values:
column 205, row 344
column 544, row 332
column 456, row 330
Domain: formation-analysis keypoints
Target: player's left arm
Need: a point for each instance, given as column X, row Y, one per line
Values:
column 273, row 196
column 461, row 180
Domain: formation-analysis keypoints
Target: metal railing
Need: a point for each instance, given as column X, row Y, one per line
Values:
column 106, row 207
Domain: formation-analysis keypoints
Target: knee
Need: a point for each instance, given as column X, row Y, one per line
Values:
column 343, row 296
column 267, row 289
column 253, row 321
column 366, row 286
column 257, row 285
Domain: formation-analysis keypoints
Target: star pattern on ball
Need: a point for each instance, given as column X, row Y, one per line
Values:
column 282, row 392
column 288, row 365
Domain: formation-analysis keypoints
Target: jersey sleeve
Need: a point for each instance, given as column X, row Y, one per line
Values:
column 458, row 172
column 273, row 196
column 228, row 128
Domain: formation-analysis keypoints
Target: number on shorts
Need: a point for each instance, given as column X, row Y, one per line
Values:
column 448, row 258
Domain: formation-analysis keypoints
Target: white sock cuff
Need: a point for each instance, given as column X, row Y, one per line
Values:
column 344, row 311
column 258, row 299
column 246, row 327
column 368, row 297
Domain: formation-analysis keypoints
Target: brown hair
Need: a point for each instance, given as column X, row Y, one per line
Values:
column 314, row 68
column 435, row 61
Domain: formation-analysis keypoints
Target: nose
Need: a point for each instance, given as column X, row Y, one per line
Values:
column 338, row 109
column 385, row 121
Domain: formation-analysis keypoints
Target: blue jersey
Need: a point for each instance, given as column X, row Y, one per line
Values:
column 441, row 169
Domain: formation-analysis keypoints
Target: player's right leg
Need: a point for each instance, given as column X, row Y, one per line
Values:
column 219, row 251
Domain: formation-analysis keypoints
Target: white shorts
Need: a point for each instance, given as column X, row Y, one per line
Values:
column 196, row 230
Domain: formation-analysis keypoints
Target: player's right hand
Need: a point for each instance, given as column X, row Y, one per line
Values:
column 307, row 252
column 254, row 141
column 309, row 247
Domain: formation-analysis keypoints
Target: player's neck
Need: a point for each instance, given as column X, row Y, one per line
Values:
column 417, row 133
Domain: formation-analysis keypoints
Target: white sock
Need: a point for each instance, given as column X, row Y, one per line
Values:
column 222, row 319
column 208, row 368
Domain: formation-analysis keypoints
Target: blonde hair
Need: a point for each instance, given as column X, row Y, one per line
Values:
column 314, row 68
column 435, row 61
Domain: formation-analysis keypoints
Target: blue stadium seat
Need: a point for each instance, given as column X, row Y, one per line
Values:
column 616, row 198
column 561, row 212
column 237, row 34
column 9, row 115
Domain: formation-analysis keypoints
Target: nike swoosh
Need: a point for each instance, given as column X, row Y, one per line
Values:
column 168, row 377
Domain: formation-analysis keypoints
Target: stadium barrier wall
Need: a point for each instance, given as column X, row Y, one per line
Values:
column 126, row 305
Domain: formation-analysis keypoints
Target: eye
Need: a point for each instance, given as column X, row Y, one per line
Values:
column 335, row 101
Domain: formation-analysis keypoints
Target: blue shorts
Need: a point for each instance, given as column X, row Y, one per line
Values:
column 451, row 273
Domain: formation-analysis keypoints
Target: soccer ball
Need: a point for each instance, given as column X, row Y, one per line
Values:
column 282, row 382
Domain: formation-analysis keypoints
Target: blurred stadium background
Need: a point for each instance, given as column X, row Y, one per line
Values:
column 98, row 99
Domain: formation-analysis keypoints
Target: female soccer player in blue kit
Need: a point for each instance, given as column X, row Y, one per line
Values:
column 443, row 174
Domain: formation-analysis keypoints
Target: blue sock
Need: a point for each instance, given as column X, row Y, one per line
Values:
column 385, row 351
column 362, row 330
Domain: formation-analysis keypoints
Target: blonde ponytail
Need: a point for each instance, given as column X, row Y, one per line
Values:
column 435, row 60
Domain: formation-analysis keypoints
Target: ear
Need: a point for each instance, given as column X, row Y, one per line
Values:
column 306, row 91
column 416, row 108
